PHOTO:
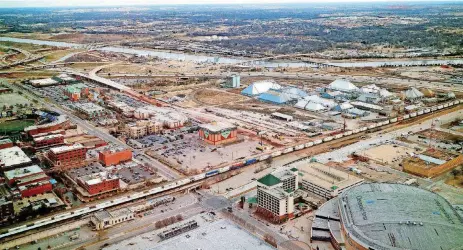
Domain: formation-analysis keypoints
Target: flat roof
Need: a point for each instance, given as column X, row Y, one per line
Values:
column 5, row 141
column 221, row 234
column 21, row 172
column 217, row 126
column 61, row 149
column 47, row 137
column 278, row 114
column 278, row 192
column 396, row 216
column 89, row 107
column 13, row 156
column 324, row 176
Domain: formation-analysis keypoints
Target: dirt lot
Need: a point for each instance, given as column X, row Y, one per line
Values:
column 387, row 153
column 216, row 97
column 439, row 135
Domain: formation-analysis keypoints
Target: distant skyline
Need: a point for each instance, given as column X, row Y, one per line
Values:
column 99, row 3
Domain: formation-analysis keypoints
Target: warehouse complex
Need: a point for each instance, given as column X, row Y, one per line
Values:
column 389, row 216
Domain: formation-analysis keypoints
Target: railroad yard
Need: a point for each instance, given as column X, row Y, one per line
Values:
column 106, row 146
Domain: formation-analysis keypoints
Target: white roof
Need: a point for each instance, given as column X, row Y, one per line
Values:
column 62, row 149
column 372, row 88
column 345, row 106
column 307, row 105
column 217, row 126
column 413, row 93
column 261, row 87
column 44, row 82
column 367, row 105
column 343, row 85
column 13, row 156
column 47, row 137
column 21, row 172
column 317, row 99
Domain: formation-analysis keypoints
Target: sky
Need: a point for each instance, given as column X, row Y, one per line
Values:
column 75, row 3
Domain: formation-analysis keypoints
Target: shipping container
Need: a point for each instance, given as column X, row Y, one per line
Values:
column 299, row 147
column 309, row 144
column 413, row 114
column 393, row 120
column 347, row 133
column 338, row 136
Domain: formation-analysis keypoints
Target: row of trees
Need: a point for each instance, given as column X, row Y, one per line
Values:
column 168, row 221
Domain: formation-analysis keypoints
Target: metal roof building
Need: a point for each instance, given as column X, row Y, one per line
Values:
column 385, row 216
column 260, row 87
column 343, row 86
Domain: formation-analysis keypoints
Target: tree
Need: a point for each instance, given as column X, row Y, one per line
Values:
column 455, row 172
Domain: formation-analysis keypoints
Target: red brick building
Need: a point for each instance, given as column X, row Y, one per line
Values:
column 35, row 188
column 99, row 183
column 61, row 123
column 6, row 143
column 66, row 157
column 218, row 133
column 25, row 176
column 48, row 140
column 114, row 156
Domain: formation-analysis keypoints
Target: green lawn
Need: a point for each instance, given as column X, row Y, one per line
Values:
column 14, row 126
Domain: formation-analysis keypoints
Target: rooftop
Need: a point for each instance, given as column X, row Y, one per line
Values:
column 324, row 176
column 221, row 234
column 89, row 107
column 21, row 172
column 47, row 137
column 5, row 141
column 395, row 216
column 269, row 180
column 13, row 156
column 217, row 126
column 62, row 149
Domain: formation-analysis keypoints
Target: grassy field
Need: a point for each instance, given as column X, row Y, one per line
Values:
column 14, row 126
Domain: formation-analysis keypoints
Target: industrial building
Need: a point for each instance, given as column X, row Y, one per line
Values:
column 13, row 157
column 216, row 133
column 260, row 87
column 343, row 86
column 324, row 181
column 232, row 81
column 413, row 94
column 275, row 194
column 114, row 156
column 65, row 157
column 104, row 219
column 388, row 216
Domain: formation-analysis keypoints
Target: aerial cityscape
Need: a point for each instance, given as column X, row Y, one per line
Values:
column 256, row 126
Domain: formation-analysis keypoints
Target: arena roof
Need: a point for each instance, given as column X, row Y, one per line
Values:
column 395, row 216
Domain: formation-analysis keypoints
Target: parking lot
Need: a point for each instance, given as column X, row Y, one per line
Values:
column 194, row 154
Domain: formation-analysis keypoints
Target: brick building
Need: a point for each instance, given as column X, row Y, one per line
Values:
column 60, row 123
column 218, row 133
column 48, row 140
column 35, row 188
column 24, row 176
column 98, row 183
column 76, row 91
column 65, row 157
column 114, row 156
column 6, row 143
